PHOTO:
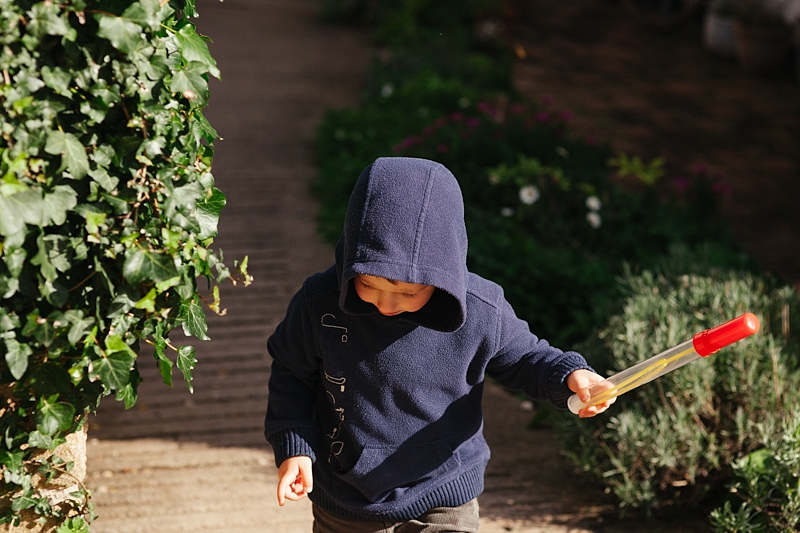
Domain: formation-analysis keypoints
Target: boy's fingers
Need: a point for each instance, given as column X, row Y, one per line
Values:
column 306, row 477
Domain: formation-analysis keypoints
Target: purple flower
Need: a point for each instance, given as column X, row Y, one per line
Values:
column 473, row 122
column 442, row 148
column 485, row 107
column 722, row 188
column 681, row 183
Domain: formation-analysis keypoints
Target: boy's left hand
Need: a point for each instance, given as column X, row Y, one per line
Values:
column 580, row 382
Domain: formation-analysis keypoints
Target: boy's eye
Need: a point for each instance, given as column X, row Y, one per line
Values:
column 406, row 295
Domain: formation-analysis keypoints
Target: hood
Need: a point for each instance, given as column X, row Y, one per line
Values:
column 405, row 221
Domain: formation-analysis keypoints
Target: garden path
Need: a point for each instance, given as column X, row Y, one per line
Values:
column 197, row 462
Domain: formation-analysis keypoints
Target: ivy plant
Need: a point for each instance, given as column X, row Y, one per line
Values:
column 108, row 210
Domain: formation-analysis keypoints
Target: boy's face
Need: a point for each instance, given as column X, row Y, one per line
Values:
column 392, row 297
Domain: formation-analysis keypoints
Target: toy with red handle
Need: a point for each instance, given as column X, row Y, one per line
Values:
column 702, row 344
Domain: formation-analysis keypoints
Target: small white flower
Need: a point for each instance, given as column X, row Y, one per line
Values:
column 494, row 179
column 563, row 152
column 593, row 203
column 463, row 102
column 593, row 219
column 387, row 90
column 507, row 212
column 529, row 194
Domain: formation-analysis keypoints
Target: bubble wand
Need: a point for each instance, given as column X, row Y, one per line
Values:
column 700, row 345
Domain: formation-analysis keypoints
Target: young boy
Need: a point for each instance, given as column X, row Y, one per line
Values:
column 379, row 365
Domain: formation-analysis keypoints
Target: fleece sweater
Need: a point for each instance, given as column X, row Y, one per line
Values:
column 389, row 407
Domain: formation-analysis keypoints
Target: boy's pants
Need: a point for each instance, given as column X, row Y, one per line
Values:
column 463, row 519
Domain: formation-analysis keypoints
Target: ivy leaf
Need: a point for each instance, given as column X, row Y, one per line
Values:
column 164, row 362
column 208, row 212
column 19, row 209
column 17, row 357
column 113, row 370
column 191, row 83
column 144, row 265
column 186, row 362
column 194, row 320
column 115, row 367
column 194, row 48
column 124, row 35
column 53, row 416
column 45, row 20
column 148, row 303
column 56, row 204
column 71, row 150
column 50, row 378
column 101, row 176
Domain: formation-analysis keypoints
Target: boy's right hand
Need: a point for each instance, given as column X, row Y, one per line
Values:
column 295, row 480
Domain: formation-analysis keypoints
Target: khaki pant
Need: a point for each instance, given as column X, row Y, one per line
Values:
column 462, row 519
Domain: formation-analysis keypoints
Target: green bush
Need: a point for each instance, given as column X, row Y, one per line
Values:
column 766, row 482
column 416, row 24
column 107, row 213
column 674, row 440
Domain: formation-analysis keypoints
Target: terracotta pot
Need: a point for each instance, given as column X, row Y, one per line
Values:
column 762, row 50
column 719, row 35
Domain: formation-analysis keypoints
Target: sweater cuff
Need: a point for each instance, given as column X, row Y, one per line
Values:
column 557, row 389
column 292, row 443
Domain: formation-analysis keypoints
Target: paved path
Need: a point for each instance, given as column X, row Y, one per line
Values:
column 198, row 462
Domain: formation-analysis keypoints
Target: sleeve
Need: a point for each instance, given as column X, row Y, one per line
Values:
column 289, row 425
column 529, row 364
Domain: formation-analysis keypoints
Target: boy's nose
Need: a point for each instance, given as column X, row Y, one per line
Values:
column 387, row 305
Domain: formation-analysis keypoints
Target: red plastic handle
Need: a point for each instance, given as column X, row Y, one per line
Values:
column 709, row 341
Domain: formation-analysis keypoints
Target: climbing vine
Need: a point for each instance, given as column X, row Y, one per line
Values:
column 108, row 210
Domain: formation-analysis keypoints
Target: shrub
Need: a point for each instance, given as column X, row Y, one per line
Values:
column 674, row 440
column 107, row 213
column 766, row 481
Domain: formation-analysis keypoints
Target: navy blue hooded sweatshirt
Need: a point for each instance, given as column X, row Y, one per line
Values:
column 389, row 407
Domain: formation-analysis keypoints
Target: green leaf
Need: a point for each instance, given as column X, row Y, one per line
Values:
column 17, row 357
column 191, row 84
column 208, row 212
column 148, row 303
column 46, row 20
column 143, row 265
column 53, row 416
column 124, row 35
column 186, row 362
column 113, row 370
column 115, row 344
column 50, row 378
column 19, row 209
column 194, row 48
column 164, row 365
column 71, row 150
column 101, row 176
column 194, row 320
column 58, row 80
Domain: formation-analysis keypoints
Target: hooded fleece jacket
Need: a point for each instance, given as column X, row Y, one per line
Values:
column 389, row 407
